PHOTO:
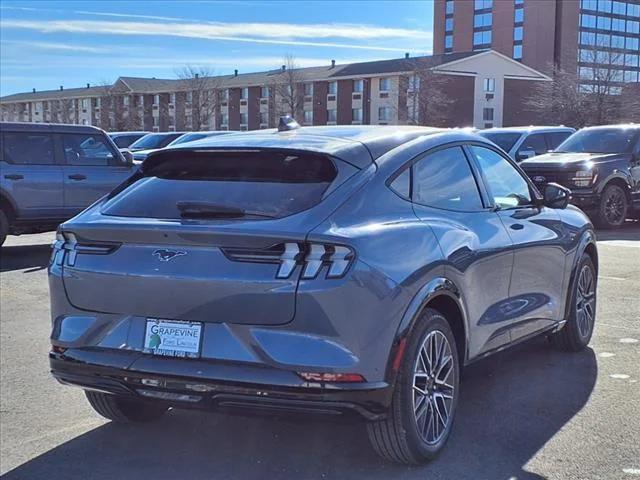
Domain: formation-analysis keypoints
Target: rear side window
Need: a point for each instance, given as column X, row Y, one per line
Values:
column 556, row 138
column 534, row 143
column 443, row 179
column 86, row 149
column 28, row 148
column 235, row 185
column 123, row 141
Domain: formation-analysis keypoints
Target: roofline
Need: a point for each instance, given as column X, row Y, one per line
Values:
column 503, row 56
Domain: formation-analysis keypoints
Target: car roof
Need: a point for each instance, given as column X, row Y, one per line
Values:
column 358, row 145
column 528, row 129
column 48, row 127
column 114, row 134
column 634, row 126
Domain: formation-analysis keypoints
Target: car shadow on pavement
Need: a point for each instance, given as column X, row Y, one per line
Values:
column 511, row 405
column 629, row 231
column 20, row 257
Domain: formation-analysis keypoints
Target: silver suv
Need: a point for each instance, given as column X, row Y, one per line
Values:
column 51, row 172
column 526, row 142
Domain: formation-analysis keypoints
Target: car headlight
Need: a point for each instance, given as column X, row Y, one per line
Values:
column 583, row 178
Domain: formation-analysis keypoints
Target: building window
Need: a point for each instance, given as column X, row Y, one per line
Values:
column 517, row 52
column 518, row 2
column 489, row 85
column 356, row 115
column 85, row 103
column 448, row 42
column 384, row 114
column 264, row 92
column 448, row 7
column 482, row 39
column 243, row 119
column 156, row 99
column 333, row 88
column 358, row 86
column 244, row 93
column 264, row 118
column 517, row 34
column 414, row 83
column 487, row 114
column 308, row 117
column 332, row 115
column 604, row 23
column 448, row 25
column 224, row 119
column 588, row 21
column 518, row 15
column 589, row 4
column 633, row 27
column 604, row 6
column 483, row 20
column 308, row 89
column 125, row 100
column 482, row 4
column 225, row 95
column 189, row 97
column 384, row 84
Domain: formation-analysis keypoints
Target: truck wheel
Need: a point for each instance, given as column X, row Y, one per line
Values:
column 123, row 409
column 613, row 208
column 576, row 333
column 4, row 227
column 425, row 397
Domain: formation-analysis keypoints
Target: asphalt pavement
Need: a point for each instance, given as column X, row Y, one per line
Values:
column 528, row 413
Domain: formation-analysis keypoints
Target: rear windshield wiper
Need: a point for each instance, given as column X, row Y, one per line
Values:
column 215, row 210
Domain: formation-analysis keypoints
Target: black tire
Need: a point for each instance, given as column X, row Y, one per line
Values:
column 123, row 409
column 613, row 208
column 397, row 437
column 4, row 227
column 574, row 336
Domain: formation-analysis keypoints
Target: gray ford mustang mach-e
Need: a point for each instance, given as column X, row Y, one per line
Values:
column 316, row 269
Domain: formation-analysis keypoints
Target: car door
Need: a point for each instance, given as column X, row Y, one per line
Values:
column 536, row 232
column 475, row 244
column 92, row 169
column 533, row 144
column 31, row 176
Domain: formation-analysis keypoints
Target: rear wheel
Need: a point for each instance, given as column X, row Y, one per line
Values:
column 425, row 398
column 4, row 227
column 613, row 208
column 577, row 332
column 123, row 409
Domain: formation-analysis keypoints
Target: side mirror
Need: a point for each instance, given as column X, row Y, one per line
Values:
column 127, row 155
column 556, row 196
column 524, row 154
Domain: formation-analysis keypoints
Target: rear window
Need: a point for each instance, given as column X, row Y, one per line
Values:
column 250, row 185
column 505, row 141
column 159, row 140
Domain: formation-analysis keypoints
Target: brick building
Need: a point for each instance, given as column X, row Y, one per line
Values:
column 485, row 89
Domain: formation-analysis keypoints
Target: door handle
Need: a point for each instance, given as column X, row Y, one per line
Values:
column 77, row 176
column 516, row 226
column 14, row 176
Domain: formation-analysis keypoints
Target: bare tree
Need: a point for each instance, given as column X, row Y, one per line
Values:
column 201, row 88
column 66, row 110
column 427, row 101
column 591, row 95
column 114, row 115
column 289, row 89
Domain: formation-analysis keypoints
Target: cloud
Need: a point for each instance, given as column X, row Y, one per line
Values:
column 313, row 35
column 65, row 47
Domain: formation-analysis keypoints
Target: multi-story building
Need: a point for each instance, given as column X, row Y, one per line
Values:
column 475, row 84
column 572, row 34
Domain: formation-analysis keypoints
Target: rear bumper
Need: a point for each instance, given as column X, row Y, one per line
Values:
column 214, row 385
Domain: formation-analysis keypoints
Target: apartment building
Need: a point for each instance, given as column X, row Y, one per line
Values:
column 478, row 84
column 577, row 35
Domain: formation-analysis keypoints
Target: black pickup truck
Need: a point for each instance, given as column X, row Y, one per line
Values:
column 601, row 167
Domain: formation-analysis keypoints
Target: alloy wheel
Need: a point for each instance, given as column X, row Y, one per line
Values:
column 433, row 387
column 585, row 301
column 614, row 204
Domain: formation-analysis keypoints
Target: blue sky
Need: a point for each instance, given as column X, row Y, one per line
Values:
column 44, row 44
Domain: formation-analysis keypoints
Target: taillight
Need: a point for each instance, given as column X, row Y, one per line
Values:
column 313, row 257
column 67, row 247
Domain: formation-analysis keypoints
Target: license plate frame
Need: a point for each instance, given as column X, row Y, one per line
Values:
column 173, row 338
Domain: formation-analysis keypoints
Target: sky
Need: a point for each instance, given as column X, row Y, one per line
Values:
column 45, row 44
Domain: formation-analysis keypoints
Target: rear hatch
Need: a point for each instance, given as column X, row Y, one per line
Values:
column 203, row 236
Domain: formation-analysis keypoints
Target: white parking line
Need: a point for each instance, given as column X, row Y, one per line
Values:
column 620, row 243
column 618, row 326
column 605, row 277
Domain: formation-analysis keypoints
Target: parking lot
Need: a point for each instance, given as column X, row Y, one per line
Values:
column 524, row 414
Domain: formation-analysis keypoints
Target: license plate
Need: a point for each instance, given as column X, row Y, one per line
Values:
column 173, row 339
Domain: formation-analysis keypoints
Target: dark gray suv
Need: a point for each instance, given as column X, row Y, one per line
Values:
column 323, row 270
column 51, row 172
